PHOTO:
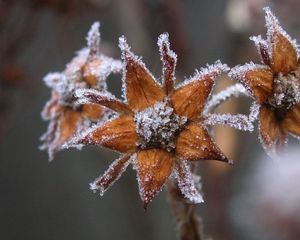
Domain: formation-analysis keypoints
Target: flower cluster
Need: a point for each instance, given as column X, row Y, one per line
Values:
column 161, row 128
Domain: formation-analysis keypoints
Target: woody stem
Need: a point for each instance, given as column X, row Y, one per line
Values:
column 189, row 223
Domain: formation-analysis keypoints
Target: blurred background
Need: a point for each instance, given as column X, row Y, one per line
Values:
column 42, row 200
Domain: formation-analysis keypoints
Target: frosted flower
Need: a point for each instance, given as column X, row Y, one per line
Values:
column 88, row 69
column 158, row 128
column 274, row 85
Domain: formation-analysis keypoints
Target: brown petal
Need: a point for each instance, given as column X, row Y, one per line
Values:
column 154, row 166
column 263, row 49
column 271, row 133
column 292, row 120
column 169, row 59
column 92, row 111
column 52, row 108
column 258, row 79
column 105, row 99
column 68, row 124
column 189, row 99
column 142, row 90
column 90, row 71
column 194, row 143
column 112, row 174
column 118, row 134
column 284, row 54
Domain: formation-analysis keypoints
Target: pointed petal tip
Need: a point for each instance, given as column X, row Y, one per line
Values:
column 94, row 187
column 230, row 161
column 93, row 38
column 163, row 40
column 123, row 45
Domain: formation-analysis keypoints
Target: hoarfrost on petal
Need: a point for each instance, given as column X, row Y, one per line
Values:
column 129, row 57
column 93, row 39
column 254, row 111
column 263, row 48
column 84, row 131
column 273, row 26
column 217, row 99
column 169, row 60
column 157, row 126
column 239, row 121
column 111, row 175
column 213, row 71
column 54, row 80
column 108, row 66
column 84, row 96
column 186, row 182
column 238, row 73
column 106, row 99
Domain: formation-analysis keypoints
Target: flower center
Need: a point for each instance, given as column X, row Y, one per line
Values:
column 286, row 91
column 157, row 126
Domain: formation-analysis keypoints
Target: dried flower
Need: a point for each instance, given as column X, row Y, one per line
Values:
column 88, row 69
column 274, row 85
column 159, row 128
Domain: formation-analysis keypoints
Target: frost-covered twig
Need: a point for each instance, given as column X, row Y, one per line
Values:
column 217, row 99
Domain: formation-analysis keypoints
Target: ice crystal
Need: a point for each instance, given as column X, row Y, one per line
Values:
column 263, row 48
column 239, row 121
column 213, row 70
column 93, row 39
column 286, row 92
column 112, row 174
column 239, row 72
column 130, row 58
column 273, row 26
column 169, row 60
column 254, row 112
column 186, row 182
column 157, row 126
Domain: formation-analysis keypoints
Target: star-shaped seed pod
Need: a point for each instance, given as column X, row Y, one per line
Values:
column 274, row 85
column 158, row 129
column 89, row 69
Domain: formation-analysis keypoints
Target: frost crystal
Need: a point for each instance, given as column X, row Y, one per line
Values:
column 254, row 111
column 273, row 26
column 112, row 174
column 186, row 182
column 238, row 73
column 239, row 121
column 213, row 70
column 169, row 60
column 128, row 58
column 263, row 48
column 93, row 39
column 286, row 92
column 157, row 126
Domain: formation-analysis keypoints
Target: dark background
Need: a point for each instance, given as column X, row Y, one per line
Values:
column 42, row 200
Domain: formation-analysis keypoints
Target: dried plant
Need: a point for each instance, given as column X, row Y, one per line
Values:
column 163, row 129
column 274, row 85
column 88, row 69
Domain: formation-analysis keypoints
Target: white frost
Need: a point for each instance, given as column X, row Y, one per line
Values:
column 212, row 71
column 111, row 175
column 93, row 39
column 238, row 121
column 273, row 27
column 186, row 182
